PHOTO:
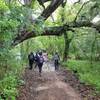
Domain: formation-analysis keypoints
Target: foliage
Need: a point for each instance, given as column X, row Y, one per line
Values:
column 16, row 18
column 83, row 42
column 87, row 73
column 8, row 87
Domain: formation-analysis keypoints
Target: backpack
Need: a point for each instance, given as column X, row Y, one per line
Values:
column 36, row 57
column 31, row 56
column 56, row 57
column 41, row 59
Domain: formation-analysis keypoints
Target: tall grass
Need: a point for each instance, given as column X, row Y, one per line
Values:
column 90, row 74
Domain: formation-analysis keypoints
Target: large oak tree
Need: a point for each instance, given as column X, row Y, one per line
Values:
column 57, row 30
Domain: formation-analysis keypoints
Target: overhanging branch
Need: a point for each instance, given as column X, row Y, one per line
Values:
column 45, row 14
column 57, row 31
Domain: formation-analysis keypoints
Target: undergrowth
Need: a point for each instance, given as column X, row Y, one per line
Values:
column 89, row 74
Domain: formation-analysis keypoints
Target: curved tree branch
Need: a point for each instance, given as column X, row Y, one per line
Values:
column 57, row 31
column 45, row 14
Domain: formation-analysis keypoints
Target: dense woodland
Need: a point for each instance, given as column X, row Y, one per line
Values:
column 70, row 27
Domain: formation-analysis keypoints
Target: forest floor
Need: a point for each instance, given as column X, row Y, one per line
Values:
column 54, row 85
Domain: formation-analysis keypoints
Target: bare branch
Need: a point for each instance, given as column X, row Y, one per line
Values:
column 77, row 2
column 52, row 18
column 41, row 3
column 20, row 2
column 44, row 1
column 51, row 8
column 80, row 10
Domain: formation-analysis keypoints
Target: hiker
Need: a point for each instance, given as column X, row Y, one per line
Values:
column 45, row 56
column 56, row 60
column 40, row 61
column 36, row 59
column 31, row 60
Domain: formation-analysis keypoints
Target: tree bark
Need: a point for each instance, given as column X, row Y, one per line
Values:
column 51, row 8
column 66, row 49
column 67, row 45
column 57, row 31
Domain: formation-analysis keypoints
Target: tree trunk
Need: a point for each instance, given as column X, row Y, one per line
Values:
column 66, row 49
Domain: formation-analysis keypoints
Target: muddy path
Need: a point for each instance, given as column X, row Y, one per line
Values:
column 47, row 87
column 51, row 85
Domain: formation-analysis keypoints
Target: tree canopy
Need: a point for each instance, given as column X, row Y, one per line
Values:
column 31, row 18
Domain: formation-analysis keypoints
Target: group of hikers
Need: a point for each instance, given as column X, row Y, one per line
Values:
column 39, row 58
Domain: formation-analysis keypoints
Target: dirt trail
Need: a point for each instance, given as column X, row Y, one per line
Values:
column 50, row 86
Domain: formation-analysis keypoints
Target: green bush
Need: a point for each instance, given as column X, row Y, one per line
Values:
column 90, row 74
column 8, row 86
